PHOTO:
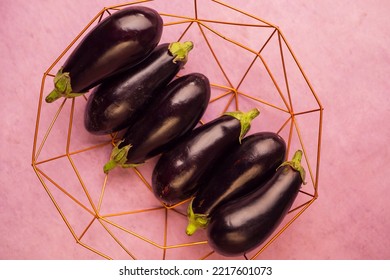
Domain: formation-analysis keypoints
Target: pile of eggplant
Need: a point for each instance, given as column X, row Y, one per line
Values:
column 239, row 187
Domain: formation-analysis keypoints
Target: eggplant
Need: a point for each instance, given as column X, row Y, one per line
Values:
column 115, row 103
column 176, row 111
column 118, row 42
column 247, row 166
column 241, row 225
column 177, row 173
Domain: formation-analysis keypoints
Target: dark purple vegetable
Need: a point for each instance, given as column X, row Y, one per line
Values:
column 241, row 225
column 246, row 168
column 116, row 102
column 178, row 172
column 118, row 42
column 176, row 111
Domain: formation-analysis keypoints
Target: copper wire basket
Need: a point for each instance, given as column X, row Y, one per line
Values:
column 249, row 63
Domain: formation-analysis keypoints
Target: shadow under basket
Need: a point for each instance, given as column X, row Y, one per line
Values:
column 249, row 63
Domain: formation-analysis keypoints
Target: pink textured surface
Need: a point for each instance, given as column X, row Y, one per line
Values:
column 343, row 50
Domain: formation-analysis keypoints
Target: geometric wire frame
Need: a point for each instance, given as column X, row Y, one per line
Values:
column 242, row 75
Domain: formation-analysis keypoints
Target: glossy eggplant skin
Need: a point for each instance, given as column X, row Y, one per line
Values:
column 116, row 102
column 177, row 174
column 118, row 42
column 175, row 112
column 246, row 168
column 241, row 225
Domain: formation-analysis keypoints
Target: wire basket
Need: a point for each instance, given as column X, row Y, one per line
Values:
column 249, row 63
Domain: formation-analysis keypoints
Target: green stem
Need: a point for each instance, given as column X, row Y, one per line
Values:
column 180, row 50
column 111, row 164
column 295, row 163
column 195, row 221
column 118, row 157
column 62, row 87
column 245, row 119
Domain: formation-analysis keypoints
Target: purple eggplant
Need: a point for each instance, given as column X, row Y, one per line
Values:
column 241, row 225
column 176, row 110
column 242, row 171
column 118, row 42
column 178, row 172
column 119, row 100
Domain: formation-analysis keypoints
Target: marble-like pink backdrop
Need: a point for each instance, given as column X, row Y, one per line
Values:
column 344, row 50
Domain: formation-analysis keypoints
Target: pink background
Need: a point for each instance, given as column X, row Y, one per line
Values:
column 344, row 50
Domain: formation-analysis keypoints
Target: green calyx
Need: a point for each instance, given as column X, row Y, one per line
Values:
column 245, row 119
column 180, row 50
column 62, row 87
column 195, row 221
column 295, row 163
column 119, row 158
